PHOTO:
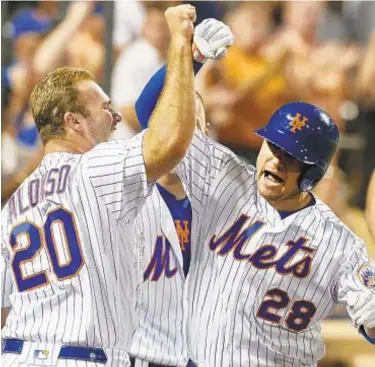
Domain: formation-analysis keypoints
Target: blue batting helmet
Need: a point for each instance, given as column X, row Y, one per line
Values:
column 308, row 134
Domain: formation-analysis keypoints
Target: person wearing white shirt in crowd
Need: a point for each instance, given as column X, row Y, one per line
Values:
column 137, row 63
column 129, row 18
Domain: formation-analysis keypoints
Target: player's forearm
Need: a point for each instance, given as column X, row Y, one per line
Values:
column 173, row 121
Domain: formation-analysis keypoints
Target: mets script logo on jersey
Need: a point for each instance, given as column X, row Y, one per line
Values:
column 366, row 275
column 183, row 233
column 298, row 123
column 160, row 261
column 234, row 241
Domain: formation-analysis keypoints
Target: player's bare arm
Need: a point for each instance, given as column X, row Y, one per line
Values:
column 173, row 121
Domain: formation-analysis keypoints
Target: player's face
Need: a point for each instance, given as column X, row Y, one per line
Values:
column 101, row 120
column 277, row 173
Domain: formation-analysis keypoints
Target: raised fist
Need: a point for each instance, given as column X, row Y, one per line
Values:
column 180, row 20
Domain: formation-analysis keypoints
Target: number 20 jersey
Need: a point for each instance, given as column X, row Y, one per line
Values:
column 259, row 285
column 67, row 265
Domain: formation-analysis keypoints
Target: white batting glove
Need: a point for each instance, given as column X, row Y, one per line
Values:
column 361, row 308
column 212, row 38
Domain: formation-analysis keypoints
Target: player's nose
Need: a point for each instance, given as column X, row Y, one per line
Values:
column 116, row 116
column 278, row 162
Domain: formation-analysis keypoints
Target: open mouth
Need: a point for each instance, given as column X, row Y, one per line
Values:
column 272, row 177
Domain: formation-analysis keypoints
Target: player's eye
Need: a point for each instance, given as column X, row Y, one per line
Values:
column 106, row 105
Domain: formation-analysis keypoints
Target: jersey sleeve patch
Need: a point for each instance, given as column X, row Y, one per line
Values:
column 366, row 276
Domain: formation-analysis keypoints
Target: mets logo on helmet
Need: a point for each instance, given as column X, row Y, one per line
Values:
column 298, row 123
column 366, row 275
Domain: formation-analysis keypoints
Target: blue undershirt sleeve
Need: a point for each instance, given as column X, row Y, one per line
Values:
column 146, row 102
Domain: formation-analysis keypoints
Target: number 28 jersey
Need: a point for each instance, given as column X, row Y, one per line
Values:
column 259, row 285
column 67, row 264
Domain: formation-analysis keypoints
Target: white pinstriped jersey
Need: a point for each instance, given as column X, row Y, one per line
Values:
column 159, row 337
column 259, row 285
column 66, row 240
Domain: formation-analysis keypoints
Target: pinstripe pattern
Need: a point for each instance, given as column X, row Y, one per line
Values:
column 159, row 337
column 105, row 189
column 6, row 274
column 225, row 293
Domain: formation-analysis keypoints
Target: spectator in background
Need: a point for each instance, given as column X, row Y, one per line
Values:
column 76, row 41
column 21, row 146
column 314, row 70
column 316, row 74
column 129, row 18
column 332, row 24
column 86, row 49
column 366, row 75
column 366, row 98
column 137, row 63
column 26, row 30
column 20, row 139
column 360, row 18
column 28, row 25
column 243, row 90
column 370, row 205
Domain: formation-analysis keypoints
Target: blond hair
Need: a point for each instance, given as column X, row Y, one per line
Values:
column 53, row 96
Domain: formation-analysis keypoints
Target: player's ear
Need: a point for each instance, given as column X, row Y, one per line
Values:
column 73, row 121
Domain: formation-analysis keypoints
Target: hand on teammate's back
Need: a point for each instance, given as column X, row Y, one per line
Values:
column 180, row 21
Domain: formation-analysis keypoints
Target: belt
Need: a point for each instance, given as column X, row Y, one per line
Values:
column 150, row 364
column 66, row 352
column 136, row 362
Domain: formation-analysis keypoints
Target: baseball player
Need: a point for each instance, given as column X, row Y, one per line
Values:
column 162, row 234
column 270, row 260
column 66, row 252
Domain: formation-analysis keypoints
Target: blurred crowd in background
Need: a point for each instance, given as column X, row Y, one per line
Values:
column 315, row 51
